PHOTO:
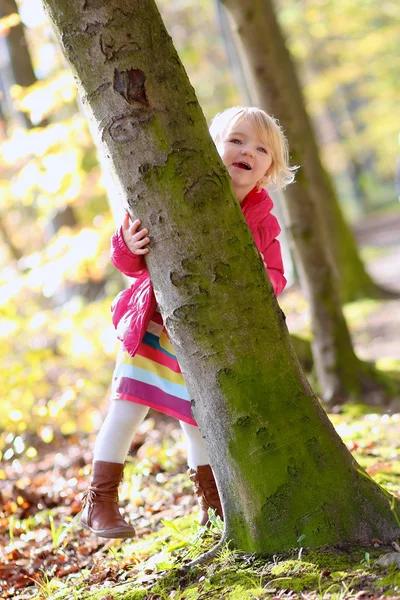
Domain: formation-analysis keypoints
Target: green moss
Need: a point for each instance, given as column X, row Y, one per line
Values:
column 337, row 560
column 392, row 579
column 295, row 575
column 242, row 594
column 233, row 577
column 289, row 567
column 242, row 584
column 296, row 584
column 120, row 592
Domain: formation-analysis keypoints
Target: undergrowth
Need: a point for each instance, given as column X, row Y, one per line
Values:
column 314, row 574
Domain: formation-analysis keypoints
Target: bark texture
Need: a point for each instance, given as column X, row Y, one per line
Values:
column 282, row 470
column 272, row 71
column 321, row 238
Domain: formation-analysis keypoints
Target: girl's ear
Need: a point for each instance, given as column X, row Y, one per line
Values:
column 262, row 182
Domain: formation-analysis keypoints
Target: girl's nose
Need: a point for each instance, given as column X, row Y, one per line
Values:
column 248, row 151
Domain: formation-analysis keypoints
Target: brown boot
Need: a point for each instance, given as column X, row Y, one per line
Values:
column 100, row 503
column 206, row 490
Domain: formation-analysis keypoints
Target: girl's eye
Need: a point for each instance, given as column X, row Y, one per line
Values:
column 235, row 141
column 261, row 149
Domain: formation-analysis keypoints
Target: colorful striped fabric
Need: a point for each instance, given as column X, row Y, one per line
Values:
column 153, row 377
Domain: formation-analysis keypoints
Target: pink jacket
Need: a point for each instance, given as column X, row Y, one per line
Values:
column 133, row 308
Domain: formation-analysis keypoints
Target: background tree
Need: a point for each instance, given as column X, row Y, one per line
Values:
column 342, row 376
column 153, row 131
column 353, row 280
column 20, row 58
column 339, row 39
column 22, row 70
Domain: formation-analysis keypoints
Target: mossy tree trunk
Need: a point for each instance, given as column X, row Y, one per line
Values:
column 341, row 374
column 278, row 461
column 277, row 90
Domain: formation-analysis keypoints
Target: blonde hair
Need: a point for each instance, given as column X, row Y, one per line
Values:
column 280, row 173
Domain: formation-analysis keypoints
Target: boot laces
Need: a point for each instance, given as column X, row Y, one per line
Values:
column 92, row 493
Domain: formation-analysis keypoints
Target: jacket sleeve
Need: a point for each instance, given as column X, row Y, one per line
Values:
column 270, row 248
column 123, row 259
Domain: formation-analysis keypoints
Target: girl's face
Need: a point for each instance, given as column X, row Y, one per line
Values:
column 245, row 156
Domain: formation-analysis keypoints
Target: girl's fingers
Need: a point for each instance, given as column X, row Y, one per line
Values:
column 125, row 222
column 134, row 226
column 144, row 251
column 141, row 243
column 140, row 234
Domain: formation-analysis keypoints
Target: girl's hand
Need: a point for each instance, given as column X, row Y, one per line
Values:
column 262, row 257
column 134, row 238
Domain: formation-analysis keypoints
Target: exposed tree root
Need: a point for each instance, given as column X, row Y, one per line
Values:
column 207, row 555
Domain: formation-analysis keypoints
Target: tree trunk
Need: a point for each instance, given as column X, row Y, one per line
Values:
column 339, row 112
column 20, row 59
column 341, row 375
column 277, row 458
column 271, row 69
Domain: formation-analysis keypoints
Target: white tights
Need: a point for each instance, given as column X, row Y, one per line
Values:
column 121, row 423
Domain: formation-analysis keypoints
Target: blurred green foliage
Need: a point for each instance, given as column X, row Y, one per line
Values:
column 347, row 57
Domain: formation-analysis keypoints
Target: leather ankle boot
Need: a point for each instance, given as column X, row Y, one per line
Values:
column 206, row 490
column 100, row 503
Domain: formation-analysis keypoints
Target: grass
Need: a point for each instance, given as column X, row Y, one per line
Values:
column 160, row 571
column 238, row 577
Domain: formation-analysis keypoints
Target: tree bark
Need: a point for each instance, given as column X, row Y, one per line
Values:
column 271, row 69
column 276, row 456
column 341, row 375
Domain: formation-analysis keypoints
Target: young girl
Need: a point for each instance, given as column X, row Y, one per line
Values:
column 254, row 151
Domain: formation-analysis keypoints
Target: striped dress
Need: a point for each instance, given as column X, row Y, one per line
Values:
column 152, row 377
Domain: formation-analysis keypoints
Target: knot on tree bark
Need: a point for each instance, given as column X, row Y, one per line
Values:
column 128, row 127
column 130, row 85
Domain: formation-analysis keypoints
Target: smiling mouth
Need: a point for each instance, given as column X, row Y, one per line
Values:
column 242, row 165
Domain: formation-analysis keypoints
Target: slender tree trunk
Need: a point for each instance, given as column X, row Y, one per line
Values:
column 256, row 26
column 341, row 375
column 277, row 459
column 20, row 58
column 329, row 124
column 332, row 115
column 4, row 109
column 346, row 128
column 354, row 166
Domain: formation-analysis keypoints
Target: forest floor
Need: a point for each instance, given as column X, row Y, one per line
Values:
column 44, row 554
